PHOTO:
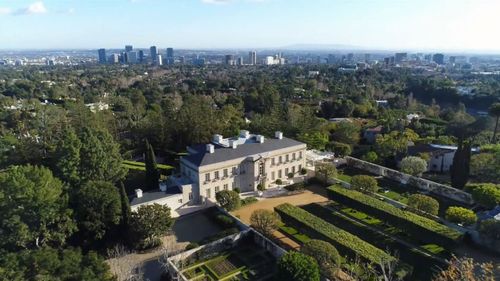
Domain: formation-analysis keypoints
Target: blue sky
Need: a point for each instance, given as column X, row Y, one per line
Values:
column 373, row 24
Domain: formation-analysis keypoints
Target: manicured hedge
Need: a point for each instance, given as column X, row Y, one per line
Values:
column 425, row 229
column 411, row 255
column 315, row 227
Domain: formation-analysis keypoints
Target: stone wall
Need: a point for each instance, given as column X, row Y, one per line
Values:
column 420, row 183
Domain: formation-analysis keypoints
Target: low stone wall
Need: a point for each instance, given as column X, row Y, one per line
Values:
column 420, row 183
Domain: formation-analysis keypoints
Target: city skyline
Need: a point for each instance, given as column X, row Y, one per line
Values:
column 251, row 24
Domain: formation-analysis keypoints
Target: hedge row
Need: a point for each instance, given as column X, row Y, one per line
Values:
column 414, row 256
column 425, row 229
column 315, row 227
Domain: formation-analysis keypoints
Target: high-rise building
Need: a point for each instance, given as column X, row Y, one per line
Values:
column 400, row 57
column 252, row 57
column 102, row 56
column 159, row 60
column 170, row 56
column 331, row 59
column 240, row 61
column 350, row 57
column 182, row 60
column 438, row 58
column 128, row 48
column 114, row 58
column 141, row 56
column 132, row 57
column 229, row 60
column 153, row 53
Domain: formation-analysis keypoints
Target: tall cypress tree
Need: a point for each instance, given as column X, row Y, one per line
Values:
column 125, row 204
column 152, row 174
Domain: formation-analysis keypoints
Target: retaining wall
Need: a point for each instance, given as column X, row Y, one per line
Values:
column 420, row 183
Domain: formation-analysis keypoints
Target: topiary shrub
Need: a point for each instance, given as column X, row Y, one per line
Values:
column 298, row 186
column 290, row 175
column 423, row 203
column 279, row 182
column 260, row 187
column 303, row 171
column 461, row 215
column 237, row 190
column 487, row 195
column 248, row 201
column 295, row 266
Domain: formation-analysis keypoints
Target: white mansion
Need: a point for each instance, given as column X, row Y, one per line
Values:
column 241, row 162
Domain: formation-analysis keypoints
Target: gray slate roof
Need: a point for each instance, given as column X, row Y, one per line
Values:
column 221, row 154
column 149, row 196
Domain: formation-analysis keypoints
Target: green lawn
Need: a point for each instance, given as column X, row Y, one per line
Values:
column 294, row 234
column 344, row 177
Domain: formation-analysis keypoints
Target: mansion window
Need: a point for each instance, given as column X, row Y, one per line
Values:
column 293, row 156
column 209, row 193
column 280, row 160
column 216, row 189
column 300, row 154
column 226, row 186
column 207, row 177
column 234, row 171
column 287, row 158
column 279, row 174
column 272, row 161
column 225, row 173
column 216, row 175
column 273, row 174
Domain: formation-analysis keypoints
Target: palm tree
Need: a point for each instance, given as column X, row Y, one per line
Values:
column 494, row 112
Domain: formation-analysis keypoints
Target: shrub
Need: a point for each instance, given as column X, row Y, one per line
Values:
column 224, row 220
column 413, row 165
column 265, row 221
column 237, row 190
column 228, row 199
column 279, row 182
column 344, row 241
column 370, row 156
column 490, row 228
column 260, row 187
column 290, row 175
column 461, row 215
column 295, row 187
column 192, row 245
column 324, row 253
column 364, row 183
column 423, row 203
column 248, row 201
column 148, row 223
column 487, row 195
column 303, row 171
column 340, row 149
column 295, row 266
column 424, row 228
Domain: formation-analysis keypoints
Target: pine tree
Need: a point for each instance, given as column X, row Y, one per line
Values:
column 152, row 174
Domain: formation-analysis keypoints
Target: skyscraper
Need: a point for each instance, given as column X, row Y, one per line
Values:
column 252, row 57
column 229, row 60
column 153, row 53
column 331, row 59
column 102, row 56
column 170, row 56
column 141, row 56
column 132, row 57
column 159, row 60
column 438, row 58
column 400, row 57
column 128, row 48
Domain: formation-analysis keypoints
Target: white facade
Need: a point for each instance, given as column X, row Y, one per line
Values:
column 267, row 160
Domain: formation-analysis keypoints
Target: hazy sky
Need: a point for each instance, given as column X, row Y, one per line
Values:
column 374, row 24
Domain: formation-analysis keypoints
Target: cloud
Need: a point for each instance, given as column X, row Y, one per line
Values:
column 5, row 11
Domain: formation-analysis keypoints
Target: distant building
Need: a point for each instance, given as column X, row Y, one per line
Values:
column 440, row 156
column 438, row 58
column 128, row 48
column 159, row 60
column 153, row 54
column 141, row 56
column 367, row 58
column 400, row 57
column 102, row 56
column 132, row 57
column 240, row 61
column 269, row 60
column 229, row 60
column 370, row 135
column 170, row 56
column 331, row 59
column 350, row 57
column 199, row 61
column 114, row 58
column 252, row 57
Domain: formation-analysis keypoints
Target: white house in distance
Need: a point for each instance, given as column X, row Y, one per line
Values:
column 441, row 156
column 243, row 162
